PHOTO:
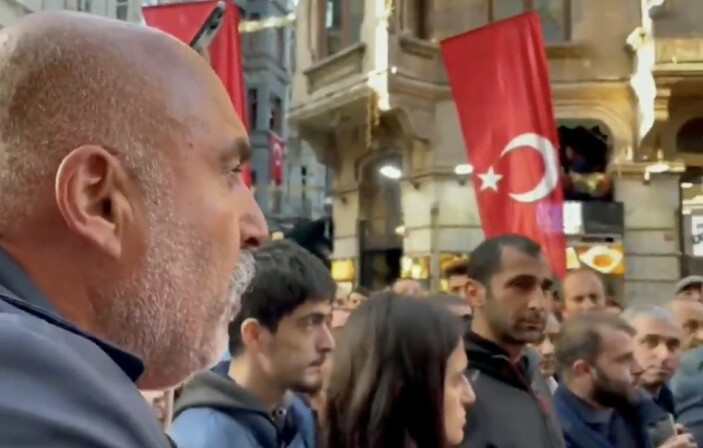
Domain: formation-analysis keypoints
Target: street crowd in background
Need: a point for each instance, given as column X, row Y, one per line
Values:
column 508, row 357
column 132, row 257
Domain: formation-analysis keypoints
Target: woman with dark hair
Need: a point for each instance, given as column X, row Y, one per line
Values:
column 398, row 377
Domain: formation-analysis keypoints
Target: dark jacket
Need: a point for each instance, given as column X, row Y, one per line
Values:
column 60, row 387
column 214, row 412
column 513, row 406
column 645, row 417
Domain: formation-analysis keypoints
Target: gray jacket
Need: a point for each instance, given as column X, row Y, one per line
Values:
column 687, row 388
column 514, row 408
column 60, row 387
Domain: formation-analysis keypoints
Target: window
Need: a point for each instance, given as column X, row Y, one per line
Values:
column 554, row 14
column 291, row 55
column 253, row 108
column 253, row 37
column 689, row 139
column 281, row 45
column 341, row 22
column 276, row 116
column 84, row 5
column 122, row 9
column 419, row 20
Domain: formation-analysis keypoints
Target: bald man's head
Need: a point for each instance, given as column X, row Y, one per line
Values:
column 120, row 160
column 70, row 80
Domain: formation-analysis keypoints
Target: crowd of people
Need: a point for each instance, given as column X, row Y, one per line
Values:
column 132, row 257
column 508, row 358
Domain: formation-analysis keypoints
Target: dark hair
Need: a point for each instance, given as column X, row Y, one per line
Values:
column 286, row 277
column 580, row 337
column 366, row 292
column 447, row 299
column 457, row 267
column 387, row 383
column 486, row 259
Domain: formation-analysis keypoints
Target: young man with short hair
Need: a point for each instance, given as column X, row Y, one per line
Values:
column 279, row 342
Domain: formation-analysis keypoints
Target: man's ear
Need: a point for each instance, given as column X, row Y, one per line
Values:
column 252, row 335
column 475, row 293
column 580, row 367
column 90, row 195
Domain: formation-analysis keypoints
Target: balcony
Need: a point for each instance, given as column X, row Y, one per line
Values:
column 337, row 93
column 679, row 56
column 335, row 69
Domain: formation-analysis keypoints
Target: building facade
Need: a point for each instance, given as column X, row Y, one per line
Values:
column 369, row 91
column 298, row 192
column 129, row 10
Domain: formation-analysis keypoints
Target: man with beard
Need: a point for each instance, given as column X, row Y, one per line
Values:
column 279, row 342
column 598, row 401
column 510, row 293
column 657, row 349
column 686, row 383
column 123, row 218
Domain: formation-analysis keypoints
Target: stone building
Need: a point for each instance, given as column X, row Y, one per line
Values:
column 370, row 92
column 129, row 10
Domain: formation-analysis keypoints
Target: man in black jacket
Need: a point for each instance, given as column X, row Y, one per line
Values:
column 509, row 290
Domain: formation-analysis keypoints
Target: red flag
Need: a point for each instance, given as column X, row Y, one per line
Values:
column 500, row 83
column 278, row 152
column 183, row 20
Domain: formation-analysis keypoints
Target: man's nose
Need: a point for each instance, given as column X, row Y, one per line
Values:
column 539, row 299
column 253, row 229
column 468, row 398
column 327, row 343
column 547, row 347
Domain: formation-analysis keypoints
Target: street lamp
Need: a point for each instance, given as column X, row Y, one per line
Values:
column 391, row 172
column 463, row 169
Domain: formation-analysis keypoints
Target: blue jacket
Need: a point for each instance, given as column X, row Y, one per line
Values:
column 687, row 387
column 60, row 387
column 214, row 412
column 578, row 433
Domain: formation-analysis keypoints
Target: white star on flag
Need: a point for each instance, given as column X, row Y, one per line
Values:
column 490, row 179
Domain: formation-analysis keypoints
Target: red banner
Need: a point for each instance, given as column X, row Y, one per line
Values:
column 183, row 20
column 277, row 158
column 499, row 80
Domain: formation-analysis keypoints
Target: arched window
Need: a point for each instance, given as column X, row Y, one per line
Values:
column 689, row 139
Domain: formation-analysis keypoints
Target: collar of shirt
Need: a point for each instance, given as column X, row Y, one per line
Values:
column 23, row 293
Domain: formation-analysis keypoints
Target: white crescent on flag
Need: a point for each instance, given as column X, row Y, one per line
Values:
column 548, row 153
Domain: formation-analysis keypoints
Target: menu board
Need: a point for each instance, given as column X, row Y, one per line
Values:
column 607, row 259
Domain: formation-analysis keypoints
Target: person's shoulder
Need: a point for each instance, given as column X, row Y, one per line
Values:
column 51, row 394
column 206, row 427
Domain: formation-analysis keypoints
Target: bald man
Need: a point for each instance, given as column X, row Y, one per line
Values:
column 125, row 227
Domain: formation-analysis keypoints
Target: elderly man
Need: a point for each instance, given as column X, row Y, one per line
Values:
column 689, row 288
column 657, row 349
column 124, row 227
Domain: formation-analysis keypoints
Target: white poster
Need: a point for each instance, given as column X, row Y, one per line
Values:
column 697, row 235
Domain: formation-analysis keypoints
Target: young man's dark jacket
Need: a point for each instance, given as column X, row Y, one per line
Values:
column 214, row 411
column 59, row 386
column 513, row 406
column 585, row 428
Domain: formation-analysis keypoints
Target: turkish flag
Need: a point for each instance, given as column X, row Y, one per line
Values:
column 183, row 20
column 278, row 152
column 499, row 79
